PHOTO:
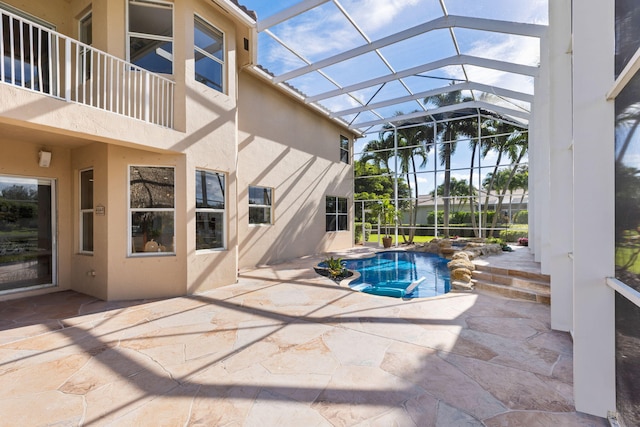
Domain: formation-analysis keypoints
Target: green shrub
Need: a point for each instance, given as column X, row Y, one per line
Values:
column 522, row 217
column 358, row 232
column 512, row 235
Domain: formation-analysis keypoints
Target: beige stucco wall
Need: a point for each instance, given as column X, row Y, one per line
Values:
column 286, row 146
column 271, row 140
column 90, row 272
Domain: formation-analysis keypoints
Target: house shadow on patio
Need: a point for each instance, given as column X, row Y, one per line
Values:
column 285, row 346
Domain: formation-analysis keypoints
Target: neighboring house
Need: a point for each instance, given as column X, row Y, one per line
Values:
column 511, row 205
column 140, row 156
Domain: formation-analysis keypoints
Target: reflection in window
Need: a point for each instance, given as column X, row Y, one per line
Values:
column 337, row 217
column 151, row 35
column 86, row 211
column 627, row 215
column 209, row 55
column 152, row 209
column 344, row 149
column 260, row 203
column 27, row 256
column 210, row 210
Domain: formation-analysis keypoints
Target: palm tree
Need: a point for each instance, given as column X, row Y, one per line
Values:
column 414, row 143
column 449, row 132
column 511, row 141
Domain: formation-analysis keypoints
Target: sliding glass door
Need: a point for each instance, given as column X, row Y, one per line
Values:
column 27, row 244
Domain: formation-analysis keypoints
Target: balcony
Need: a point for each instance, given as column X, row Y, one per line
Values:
column 39, row 59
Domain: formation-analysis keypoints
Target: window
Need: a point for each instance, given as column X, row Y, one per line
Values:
column 28, row 224
column 85, row 34
column 337, row 213
column 210, row 210
column 151, row 35
column 86, row 211
column 208, row 55
column 151, row 209
column 344, row 149
column 260, row 203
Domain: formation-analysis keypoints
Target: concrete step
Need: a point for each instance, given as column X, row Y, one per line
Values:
column 513, row 283
column 511, row 292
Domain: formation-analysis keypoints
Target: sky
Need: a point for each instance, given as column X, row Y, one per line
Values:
column 324, row 31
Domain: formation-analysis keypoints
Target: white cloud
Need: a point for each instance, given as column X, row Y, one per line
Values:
column 372, row 15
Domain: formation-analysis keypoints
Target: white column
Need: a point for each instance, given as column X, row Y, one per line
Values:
column 561, row 171
column 593, row 219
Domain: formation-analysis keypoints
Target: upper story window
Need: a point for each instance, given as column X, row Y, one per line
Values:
column 210, row 210
column 344, row 149
column 260, row 202
column 152, row 209
column 151, row 35
column 86, row 211
column 208, row 54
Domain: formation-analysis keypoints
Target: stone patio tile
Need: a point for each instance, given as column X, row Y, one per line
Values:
column 422, row 409
column 272, row 409
column 352, row 348
column 358, row 393
column 110, row 366
column 169, row 410
column 513, row 353
column 544, row 419
column 563, row 370
column 298, row 332
column 515, row 328
column 63, row 342
column 311, row 357
column 116, row 399
column 449, row 416
column 32, row 379
column 560, row 342
column 515, row 388
column 441, row 379
column 41, row 409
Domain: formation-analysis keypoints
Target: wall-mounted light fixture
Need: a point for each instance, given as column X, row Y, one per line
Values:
column 44, row 158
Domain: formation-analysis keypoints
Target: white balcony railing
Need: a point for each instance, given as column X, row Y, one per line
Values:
column 39, row 59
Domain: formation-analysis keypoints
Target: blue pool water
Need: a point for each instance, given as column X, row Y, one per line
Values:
column 390, row 273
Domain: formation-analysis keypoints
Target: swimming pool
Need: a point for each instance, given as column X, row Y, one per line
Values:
column 401, row 274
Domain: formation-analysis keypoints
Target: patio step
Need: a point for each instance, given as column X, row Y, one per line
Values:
column 513, row 283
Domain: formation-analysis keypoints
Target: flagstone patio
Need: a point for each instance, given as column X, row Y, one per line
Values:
column 284, row 347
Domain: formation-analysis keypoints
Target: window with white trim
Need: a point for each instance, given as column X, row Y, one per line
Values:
column 344, row 149
column 260, row 203
column 210, row 210
column 152, row 210
column 337, row 213
column 86, row 211
column 150, row 36
column 208, row 55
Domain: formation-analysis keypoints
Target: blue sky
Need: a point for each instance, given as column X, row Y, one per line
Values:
column 324, row 31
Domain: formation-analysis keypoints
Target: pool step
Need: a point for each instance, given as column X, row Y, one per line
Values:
column 513, row 283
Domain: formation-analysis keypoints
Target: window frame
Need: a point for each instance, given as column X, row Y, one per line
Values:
column 337, row 214
column 129, row 34
column 269, row 206
column 213, row 210
column 130, row 211
column 197, row 49
column 84, row 211
column 345, row 150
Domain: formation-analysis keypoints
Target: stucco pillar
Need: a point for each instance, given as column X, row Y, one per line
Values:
column 593, row 219
column 561, row 171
